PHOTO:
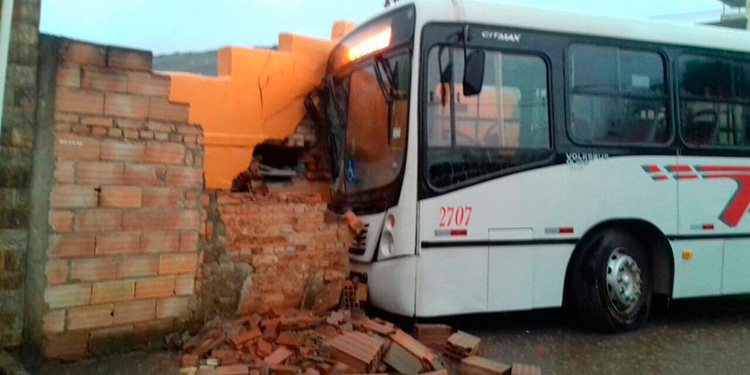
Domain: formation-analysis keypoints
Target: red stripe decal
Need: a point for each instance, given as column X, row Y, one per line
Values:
column 660, row 177
column 739, row 203
column 679, row 168
column 651, row 168
column 566, row 230
column 459, row 232
column 708, row 227
column 721, row 168
column 686, row 176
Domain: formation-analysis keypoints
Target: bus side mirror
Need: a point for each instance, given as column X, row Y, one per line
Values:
column 474, row 73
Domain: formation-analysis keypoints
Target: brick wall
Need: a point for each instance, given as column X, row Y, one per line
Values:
column 124, row 203
column 16, row 145
column 265, row 252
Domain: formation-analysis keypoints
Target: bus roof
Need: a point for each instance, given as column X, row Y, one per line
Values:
column 553, row 20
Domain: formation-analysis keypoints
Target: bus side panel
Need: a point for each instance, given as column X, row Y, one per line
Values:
column 503, row 211
column 699, row 275
column 452, row 281
column 391, row 283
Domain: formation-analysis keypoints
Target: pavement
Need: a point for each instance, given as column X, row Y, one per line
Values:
column 699, row 336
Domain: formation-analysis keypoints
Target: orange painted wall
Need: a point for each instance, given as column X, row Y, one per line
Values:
column 258, row 95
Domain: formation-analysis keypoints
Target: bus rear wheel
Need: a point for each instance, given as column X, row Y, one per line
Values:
column 612, row 283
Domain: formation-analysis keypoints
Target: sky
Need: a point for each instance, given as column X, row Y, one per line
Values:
column 167, row 26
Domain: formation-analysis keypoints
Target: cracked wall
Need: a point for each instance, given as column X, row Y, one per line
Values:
column 258, row 95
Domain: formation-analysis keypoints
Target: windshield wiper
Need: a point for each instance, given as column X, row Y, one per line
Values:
column 388, row 90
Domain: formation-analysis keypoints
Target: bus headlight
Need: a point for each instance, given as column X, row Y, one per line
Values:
column 387, row 245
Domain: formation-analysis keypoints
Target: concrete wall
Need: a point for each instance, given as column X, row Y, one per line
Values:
column 16, row 145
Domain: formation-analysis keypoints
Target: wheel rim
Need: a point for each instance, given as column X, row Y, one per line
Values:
column 624, row 281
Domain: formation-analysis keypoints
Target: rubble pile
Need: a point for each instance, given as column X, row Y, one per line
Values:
column 335, row 343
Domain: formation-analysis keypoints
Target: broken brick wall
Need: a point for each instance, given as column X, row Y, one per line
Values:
column 271, row 252
column 16, row 144
column 121, row 212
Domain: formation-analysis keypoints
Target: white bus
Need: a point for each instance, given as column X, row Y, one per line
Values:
column 510, row 158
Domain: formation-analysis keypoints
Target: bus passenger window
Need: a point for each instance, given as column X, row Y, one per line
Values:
column 714, row 102
column 503, row 127
column 618, row 96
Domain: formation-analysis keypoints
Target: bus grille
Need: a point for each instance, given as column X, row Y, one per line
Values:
column 359, row 244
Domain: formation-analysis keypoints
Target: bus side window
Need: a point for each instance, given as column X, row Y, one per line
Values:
column 504, row 126
column 715, row 101
column 618, row 96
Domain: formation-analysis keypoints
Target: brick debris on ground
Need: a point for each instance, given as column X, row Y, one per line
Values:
column 332, row 343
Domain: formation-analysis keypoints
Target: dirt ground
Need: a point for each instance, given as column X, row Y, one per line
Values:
column 704, row 336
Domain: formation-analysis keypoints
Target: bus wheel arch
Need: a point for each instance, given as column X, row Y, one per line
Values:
column 652, row 240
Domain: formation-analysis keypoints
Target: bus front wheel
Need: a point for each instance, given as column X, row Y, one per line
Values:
column 612, row 283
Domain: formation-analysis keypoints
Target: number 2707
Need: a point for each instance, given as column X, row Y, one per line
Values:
column 455, row 216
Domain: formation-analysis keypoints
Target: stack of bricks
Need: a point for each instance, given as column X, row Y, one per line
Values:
column 125, row 204
column 288, row 239
column 16, row 157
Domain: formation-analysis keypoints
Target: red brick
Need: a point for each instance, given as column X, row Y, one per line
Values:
column 140, row 266
column 96, row 269
column 161, row 127
column 161, row 197
column 97, row 121
column 83, row 53
column 122, row 151
column 104, row 341
column 188, row 220
column 61, row 221
column 56, row 271
column 117, row 243
column 124, row 123
column 79, row 101
column 66, row 117
column 104, row 80
column 140, row 174
column 147, row 84
column 69, row 76
column 186, row 177
column 189, row 241
column 190, row 129
column 134, row 311
column 172, row 307
column 99, row 131
column 120, row 196
column 114, row 133
column 130, row 106
column 184, row 285
column 67, row 295
column 65, row 172
column 130, row 59
column 161, row 136
column 163, row 109
column 71, row 246
column 75, row 147
column 146, row 134
column 151, row 220
column 73, row 196
column 54, row 321
column 112, row 291
column 90, row 317
column 61, row 128
column 67, row 345
column 164, row 153
column 131, row 134
column 172, row 264
column 97, row 220
column 160, row 242
column 80, row 129
column 100, row 173
column 158, row 287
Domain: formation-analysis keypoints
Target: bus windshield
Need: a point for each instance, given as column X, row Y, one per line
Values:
column 368, row 115
column 368, row 103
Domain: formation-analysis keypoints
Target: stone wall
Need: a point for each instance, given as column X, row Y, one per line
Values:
column 16, row 145
column 123, row 202
column 271, row 252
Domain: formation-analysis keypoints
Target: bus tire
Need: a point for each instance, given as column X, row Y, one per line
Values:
column 612, row 283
